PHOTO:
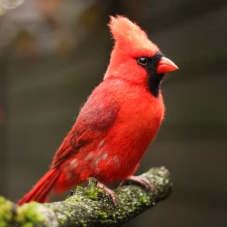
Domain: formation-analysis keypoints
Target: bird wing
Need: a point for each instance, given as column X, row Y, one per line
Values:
column 95, row 118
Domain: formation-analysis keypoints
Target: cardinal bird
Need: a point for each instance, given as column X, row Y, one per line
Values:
column 118, row 121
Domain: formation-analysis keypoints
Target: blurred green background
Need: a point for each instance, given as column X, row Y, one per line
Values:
column 54, row 52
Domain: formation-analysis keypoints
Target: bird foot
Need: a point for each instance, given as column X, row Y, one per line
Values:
column 109, row 192
column 141, row 180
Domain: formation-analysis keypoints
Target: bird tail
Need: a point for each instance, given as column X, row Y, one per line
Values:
column 42, row 189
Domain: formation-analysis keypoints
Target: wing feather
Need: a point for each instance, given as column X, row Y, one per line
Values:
column 95, row 118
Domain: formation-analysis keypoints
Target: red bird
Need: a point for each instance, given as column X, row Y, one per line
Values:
column 119, row 120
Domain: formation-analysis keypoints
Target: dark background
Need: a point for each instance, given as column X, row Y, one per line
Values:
column 54, row 52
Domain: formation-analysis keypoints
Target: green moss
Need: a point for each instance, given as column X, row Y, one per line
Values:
column 61, row 222
column 102, row 214
column 29, row 214
column 2, row 200
column 84, row 224
column 73, row 198
column 92, row 194
column 79, row 188
column 103, row 217
column 28, row 225
column 144, row 200
column 5, row 212
column 92, row 191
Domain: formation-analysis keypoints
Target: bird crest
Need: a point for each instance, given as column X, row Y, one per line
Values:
column 130, row 38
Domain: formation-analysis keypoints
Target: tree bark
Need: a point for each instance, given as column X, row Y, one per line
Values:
column 90, row 206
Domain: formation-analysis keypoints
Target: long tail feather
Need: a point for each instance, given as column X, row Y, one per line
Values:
column 42, row 189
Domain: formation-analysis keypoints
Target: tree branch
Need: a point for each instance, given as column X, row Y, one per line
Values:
column 90, row 206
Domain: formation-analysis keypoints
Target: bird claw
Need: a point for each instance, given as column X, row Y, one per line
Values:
column 141, row 180
column 109, row 192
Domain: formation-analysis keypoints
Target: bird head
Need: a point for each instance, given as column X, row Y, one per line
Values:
column 135, row 58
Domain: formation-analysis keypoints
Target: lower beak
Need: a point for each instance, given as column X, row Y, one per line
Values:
column 165, row 66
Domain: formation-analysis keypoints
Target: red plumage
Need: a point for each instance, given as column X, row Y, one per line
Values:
column 118, row 121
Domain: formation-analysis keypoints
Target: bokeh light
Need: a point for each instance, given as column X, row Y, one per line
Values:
column 10, row 4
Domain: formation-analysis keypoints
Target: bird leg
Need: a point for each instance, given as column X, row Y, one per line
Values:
column 141, row 180
column 109, row 192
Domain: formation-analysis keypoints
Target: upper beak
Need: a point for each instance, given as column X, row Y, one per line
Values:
column 165, row 66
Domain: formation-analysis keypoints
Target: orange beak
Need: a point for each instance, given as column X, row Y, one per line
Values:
column 166, row 66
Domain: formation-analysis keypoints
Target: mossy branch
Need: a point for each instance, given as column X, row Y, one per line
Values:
column 90, row 206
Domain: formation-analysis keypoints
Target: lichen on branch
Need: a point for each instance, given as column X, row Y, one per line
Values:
column 90, row 206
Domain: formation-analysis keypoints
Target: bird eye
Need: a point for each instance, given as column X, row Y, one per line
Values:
column 142, row 61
